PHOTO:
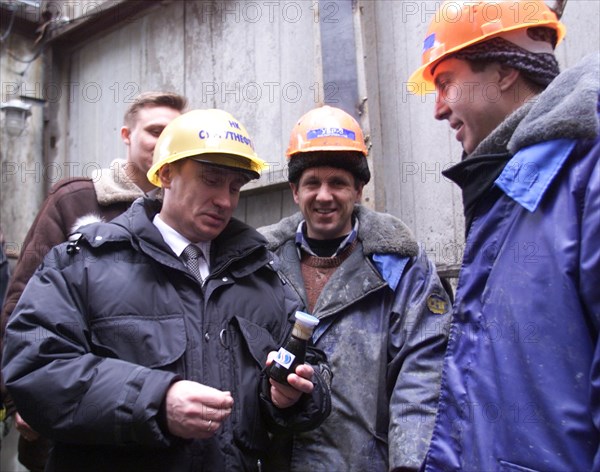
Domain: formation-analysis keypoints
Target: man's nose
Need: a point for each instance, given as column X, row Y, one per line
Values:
column 223, row 198
column 324, row 193
column 441, row 110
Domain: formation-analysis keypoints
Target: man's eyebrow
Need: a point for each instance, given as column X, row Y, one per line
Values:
column 240, row 181
column 309, row 175
column 337, row 179
column 211, row 173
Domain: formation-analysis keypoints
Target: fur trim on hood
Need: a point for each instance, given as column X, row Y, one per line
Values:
column 380, row 233
column 113, row 185
column 574, row 93
column 81, row 222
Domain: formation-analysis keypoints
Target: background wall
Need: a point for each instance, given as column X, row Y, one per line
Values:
column 266, row 62
column 21, row 171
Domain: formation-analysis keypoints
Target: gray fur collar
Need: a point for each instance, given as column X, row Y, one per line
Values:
column 574, row 93
column 380, row 233
column 113, row 185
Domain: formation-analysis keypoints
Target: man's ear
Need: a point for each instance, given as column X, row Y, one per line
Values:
column 165, row 175
column 359, row 190
column 125, row 134
column 294, row 188
column 508, row 76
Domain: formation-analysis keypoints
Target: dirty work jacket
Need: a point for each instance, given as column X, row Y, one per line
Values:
column 384, row 344
column 106, row 325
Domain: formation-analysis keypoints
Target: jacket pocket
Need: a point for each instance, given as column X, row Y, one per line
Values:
column 257, row 339
column 249, row 356
column 146, row 341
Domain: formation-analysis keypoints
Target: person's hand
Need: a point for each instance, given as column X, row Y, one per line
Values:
column 284, row 396
column 195, row 410
column 24, row 429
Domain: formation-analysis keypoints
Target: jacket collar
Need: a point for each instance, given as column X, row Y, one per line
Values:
column 380, row 233
column 476, row 173
column 113, row 185
column 574, row 93
column 565, row 113
column 136, row 228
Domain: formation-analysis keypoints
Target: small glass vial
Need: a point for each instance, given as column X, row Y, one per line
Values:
column 293, row 352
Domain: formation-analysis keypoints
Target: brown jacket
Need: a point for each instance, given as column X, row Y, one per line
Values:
column 106, row 194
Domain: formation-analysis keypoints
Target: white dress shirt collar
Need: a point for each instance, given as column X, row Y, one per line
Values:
column 178, row 242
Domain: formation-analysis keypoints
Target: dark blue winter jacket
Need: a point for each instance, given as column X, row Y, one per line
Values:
column 105, row 326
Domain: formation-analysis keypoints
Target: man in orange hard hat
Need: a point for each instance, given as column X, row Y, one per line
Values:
column 141, row 343
column 521, row 381
column 382, row 308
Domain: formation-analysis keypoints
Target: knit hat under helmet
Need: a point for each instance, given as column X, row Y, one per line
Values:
column 327, row 137
column 353, row 162
column 539, row 68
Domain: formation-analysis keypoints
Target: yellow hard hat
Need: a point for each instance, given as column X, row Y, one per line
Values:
column 459, row 24
column 212, row 136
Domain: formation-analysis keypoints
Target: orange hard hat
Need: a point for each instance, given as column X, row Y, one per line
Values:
column 326, row 129
column 459, row 24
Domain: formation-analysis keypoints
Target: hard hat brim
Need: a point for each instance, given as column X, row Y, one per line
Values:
column 248, row 163
column 228, row 161
column 421, row 81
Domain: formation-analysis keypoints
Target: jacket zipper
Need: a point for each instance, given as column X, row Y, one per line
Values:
column 222, row 269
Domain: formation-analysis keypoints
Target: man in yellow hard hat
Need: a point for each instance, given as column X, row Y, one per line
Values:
column 383, row 312
column 105, row 194
column 140, row 344
column 521, row 381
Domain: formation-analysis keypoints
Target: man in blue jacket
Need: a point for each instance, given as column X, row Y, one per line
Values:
column 140, row 344
column 383, row 312
column 521, row 381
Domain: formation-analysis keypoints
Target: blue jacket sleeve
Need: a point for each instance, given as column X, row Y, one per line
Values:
column 589, row 279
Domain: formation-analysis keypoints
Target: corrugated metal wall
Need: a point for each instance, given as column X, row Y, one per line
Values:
column 268, row 62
